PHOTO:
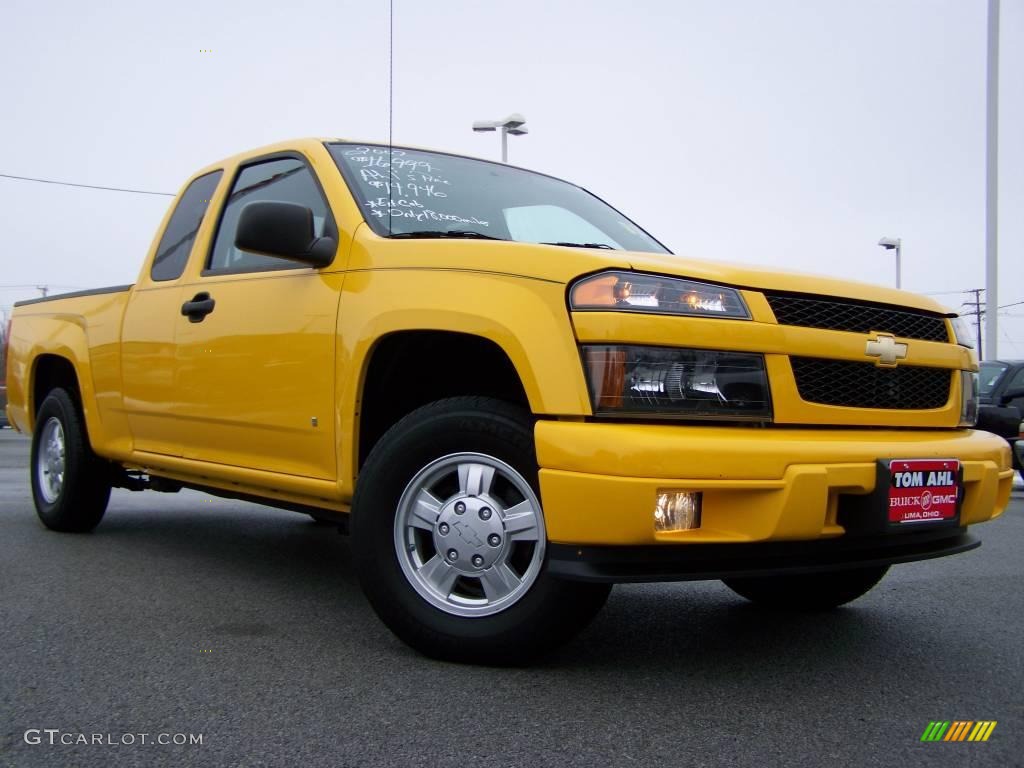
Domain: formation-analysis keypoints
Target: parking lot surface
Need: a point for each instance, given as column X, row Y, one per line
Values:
column 186, row 614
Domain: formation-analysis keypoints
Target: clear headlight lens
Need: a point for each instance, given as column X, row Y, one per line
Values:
column 635, row 381
column 968, row 399
column 637, row 292
column 963, row 333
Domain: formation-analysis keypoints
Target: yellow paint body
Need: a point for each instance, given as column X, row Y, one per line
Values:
column 264, row 396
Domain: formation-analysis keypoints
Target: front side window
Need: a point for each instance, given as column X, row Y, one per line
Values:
column 287, row 180
column 410, row 193
column 176, row 244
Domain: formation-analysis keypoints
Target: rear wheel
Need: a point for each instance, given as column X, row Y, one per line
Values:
column 70, row 484
column 449, row 537
column 808, row 591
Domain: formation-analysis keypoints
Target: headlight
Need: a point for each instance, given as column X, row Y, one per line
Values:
column 636, row 381
column 636, row 292
column 968, row 399
column 962, row 331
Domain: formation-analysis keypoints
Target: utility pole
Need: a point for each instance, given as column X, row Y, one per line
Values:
column 977, row 313
column 43, row 289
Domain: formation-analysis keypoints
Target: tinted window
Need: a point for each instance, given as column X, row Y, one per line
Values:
column 176, row 244
column 990, row 375
column 288, row 181
column 1017, row 381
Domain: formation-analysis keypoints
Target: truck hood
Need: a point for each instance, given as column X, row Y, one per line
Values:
column 564, row 264
column 763, row 278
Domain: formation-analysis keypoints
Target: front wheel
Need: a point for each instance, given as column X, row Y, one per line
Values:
column 70, row 484
column 449, row 537
column 808, row 591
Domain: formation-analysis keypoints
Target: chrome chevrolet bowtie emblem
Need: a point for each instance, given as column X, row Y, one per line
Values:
column 887, row 350
column 469, row 535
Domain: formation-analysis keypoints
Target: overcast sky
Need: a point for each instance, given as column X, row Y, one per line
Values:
column 788, row 132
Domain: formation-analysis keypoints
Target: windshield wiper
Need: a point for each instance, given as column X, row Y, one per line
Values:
column 424, row 233
column 586, row 245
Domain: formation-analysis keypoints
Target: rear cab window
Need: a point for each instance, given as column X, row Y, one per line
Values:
column 176, row 244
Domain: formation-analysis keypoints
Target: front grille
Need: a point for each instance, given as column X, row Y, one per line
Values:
column 838, row 315
column 865, row 385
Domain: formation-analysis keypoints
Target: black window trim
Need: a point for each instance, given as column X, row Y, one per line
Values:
column 178, row 201
column 330, row 227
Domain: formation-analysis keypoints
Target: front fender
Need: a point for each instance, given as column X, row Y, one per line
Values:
column 525, row 317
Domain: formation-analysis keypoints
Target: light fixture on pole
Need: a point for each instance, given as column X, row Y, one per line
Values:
column 514, row 124
column 894, row 243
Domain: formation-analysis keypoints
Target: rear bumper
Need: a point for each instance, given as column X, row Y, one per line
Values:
column 719, row 561
column 599, row 480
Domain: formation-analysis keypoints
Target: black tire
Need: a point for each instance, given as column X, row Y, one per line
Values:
column 808, row 591
column 79, row 503
column 549, row 612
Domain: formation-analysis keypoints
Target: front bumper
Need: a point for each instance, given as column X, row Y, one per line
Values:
column 722, row 561
column 599, row 480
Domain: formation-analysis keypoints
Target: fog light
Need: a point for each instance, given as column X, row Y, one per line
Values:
column 677, row 510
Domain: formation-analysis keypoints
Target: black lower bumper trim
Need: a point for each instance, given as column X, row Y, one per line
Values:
column 692, row 562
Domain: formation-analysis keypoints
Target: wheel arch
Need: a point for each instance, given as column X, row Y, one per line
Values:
column 393, row 384
column 51, row 371
column 59, row 369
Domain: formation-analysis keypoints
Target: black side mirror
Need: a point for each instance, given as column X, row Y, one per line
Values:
column 285, row 231
column 1011, row 394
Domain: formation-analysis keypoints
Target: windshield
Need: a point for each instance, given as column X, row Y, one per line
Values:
column 429, row 194
column 989, row 376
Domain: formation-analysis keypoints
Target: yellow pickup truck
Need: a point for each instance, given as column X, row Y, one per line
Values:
column 516, row 395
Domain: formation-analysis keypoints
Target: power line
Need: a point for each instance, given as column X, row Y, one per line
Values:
column 36, row 285
column 977, row 313
column 982, row 310
column 1012, row 342
column 86, row 186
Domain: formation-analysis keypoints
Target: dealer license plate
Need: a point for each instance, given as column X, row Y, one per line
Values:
column 923, row 490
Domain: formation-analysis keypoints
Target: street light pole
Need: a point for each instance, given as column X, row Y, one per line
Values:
column 992, row 181
column 896, row 244
column 514, row 125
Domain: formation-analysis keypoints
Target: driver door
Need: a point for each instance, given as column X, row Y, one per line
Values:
column 255, row 365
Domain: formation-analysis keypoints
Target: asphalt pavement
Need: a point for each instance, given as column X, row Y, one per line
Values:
column 186, row 616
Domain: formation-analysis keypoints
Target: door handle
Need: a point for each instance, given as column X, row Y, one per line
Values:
column 198, row 308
